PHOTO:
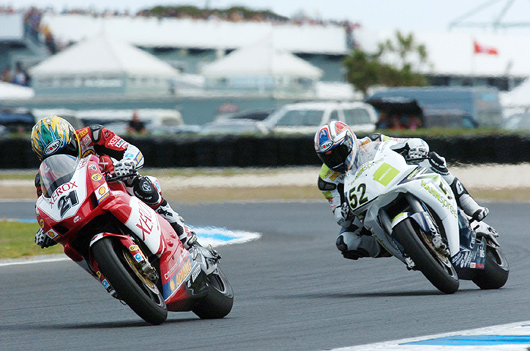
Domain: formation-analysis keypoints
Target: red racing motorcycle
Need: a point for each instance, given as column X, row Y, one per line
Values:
column 128, row 247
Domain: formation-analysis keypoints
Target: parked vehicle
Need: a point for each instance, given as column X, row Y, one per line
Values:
column 127, row 246
column 518, row 121
column 16, row 120
column 253, row 115
column 461, row 107
column 306, row 117
column 157, row 121
column 240, row 123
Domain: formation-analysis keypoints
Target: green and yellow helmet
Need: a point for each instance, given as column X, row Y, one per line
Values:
column 54, row 135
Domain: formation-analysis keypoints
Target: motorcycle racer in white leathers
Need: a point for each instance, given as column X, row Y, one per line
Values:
column 337, row 146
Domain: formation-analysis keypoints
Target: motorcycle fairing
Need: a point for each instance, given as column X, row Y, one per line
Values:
column 144, row 222
column 386, row 174
column 66, row 199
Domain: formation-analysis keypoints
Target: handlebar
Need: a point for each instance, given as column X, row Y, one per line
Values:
column 113, row 178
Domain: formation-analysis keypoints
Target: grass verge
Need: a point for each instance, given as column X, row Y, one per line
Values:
column 18, row 240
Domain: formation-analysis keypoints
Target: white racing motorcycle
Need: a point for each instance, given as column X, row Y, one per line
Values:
column 413, row 214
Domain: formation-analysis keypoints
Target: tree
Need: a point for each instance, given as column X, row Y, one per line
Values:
column 393, row 65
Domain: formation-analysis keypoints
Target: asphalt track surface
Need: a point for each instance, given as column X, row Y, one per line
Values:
column 293, row 291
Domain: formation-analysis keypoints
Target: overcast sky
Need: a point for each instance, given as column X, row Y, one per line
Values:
column 376, row 14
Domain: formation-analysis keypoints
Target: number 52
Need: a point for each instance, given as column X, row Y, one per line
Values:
column 357, row 196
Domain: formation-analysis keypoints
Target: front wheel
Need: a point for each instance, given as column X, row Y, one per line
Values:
column 495, row 272
column 125, row 276
column 435, row 266
column 218, row 303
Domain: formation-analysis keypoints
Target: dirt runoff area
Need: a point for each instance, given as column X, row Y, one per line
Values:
column 485, row 182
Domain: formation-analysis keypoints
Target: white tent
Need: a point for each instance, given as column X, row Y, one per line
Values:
column 518, row 97
column 102, row 65
column 103, row 55
column 10, row 91
column 261, row 59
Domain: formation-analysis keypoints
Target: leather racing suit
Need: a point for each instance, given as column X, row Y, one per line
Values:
column 355, row 241
column 101, row 141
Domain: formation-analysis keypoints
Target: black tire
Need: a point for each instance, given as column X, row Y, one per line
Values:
column 142, row 296
column 218, row 303
column 495, row 272
column 436, row 268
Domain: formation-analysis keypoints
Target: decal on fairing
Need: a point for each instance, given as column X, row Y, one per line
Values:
column 357, row 196
column 466, row 258
column 441, row 198
column 102, row 193
column 143, row 221
column 385, row 173
column 96, row 177
column 366, row 167
column 52, row 234
column 65, row 200
column 176, row 277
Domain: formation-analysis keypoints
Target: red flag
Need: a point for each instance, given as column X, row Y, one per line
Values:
column 481, row 49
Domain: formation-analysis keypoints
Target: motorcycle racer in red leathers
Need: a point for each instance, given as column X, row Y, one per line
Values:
column 337, row 146
column 54, row 135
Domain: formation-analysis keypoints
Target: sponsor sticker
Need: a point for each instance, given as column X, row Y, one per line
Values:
column 96, row 177
column 102, row 193
column 52, row 147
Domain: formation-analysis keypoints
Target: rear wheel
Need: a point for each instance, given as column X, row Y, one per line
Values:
column 124, row 274
column 495, row 272
column 434, row 265
column 218, row 303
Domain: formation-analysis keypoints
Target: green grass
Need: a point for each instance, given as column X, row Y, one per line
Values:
column 18, row 240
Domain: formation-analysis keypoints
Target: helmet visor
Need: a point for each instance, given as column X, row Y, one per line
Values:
column 335, row 158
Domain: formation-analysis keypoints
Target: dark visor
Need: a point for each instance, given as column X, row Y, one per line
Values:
column 336, row 157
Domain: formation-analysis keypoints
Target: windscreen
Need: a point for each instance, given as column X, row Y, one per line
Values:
column 365, row 154
column 56, row 170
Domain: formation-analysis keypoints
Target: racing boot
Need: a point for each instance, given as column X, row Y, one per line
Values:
column 186, row 236
column 467, row 203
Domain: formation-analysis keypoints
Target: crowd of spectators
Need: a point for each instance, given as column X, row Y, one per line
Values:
column 398, row 122
column 235, row 14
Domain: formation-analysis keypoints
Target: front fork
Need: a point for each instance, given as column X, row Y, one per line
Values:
column 147, row 269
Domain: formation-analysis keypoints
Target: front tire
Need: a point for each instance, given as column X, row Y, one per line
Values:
column 436, row 267
column 142, row 295
column 495, row 272
column 218, row 303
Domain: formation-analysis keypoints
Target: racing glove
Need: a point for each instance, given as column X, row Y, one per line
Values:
column 345, row 215
column 43, row 240
column 124, row 167
column 417, row 149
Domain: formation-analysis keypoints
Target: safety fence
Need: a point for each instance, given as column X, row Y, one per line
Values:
column 278, row 151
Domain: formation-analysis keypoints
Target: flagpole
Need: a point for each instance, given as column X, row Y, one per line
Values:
column 473, row 63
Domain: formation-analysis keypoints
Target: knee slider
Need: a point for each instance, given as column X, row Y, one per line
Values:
column 143, row 189
column 458, row 188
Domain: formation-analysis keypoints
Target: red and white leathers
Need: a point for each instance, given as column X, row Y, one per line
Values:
column 351, row 241
column 114, row 151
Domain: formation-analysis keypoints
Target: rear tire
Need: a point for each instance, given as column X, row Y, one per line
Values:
column 495, row 272
column 218, row 303
column 436, row 268
column 142, row 295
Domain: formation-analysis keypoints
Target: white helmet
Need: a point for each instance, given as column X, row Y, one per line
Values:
column 336, row 145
